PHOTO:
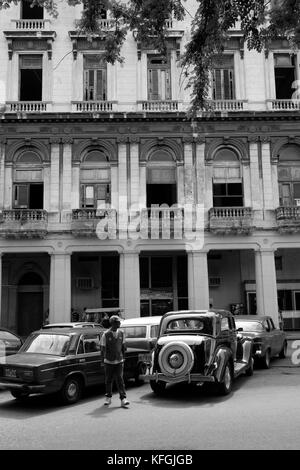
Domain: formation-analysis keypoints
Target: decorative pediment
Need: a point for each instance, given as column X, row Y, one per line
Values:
column 19, row 41
column 80, row 42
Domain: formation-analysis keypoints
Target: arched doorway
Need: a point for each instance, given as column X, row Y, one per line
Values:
column 30, row 303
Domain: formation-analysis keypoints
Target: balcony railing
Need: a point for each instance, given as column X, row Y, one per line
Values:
column 288, row 219
column 27, row 106
column 85, row 221
column 93, row 106
column 159, row 106
column 283, row 105
column 231, row 220
column 31, row 25
column 229, row 105
column 24, row 223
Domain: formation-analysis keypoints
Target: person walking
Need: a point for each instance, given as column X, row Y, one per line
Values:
column 113, row 350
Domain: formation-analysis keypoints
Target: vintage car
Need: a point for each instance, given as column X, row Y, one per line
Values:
column 268, row 341
column 199, row 346
column 10, row 343
column 78, row 324
column 141, row 332
column 61, row 360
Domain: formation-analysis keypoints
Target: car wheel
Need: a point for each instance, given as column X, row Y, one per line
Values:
column 158, row 387
column 266, row 360
column 71, row 390
column 282, row 353
column 249, row 371
column 18, row 395
column 142, row 369
column 225, row 387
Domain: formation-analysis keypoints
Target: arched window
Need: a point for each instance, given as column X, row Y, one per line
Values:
column 95, row 180
column 28, row 187
column 289, row 175
column 227, row 180
column 161, row 178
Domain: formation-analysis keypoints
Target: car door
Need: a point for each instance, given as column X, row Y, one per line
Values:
column 276, row 336
column 94, row 369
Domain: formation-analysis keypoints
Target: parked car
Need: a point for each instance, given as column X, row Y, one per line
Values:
column 199, row 347
column 141, row 332
column 78, row 324
column 10, row 343
column 268, row 340
column 60, row 360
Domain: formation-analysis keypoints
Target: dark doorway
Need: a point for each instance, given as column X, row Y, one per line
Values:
column 31, row 84
column 30, row 303
column 31, row 13
column 36, row 196
column 161, row 194
column 284, row 78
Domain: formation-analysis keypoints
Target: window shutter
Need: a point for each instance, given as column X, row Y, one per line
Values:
column 101, row 85
column 153, row 91
column 285, row 194
column 86, row 85
column 21, row 196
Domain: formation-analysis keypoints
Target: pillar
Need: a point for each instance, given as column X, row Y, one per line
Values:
column 188, row 172
column 67, row 175
column 1, row 322
column 130, row 284
column 266, row 287
column 267, row 174
column 2, row 170
column 198, row 286
column 60, row 288
column 54, row 175
column 122, row 205
column 134, row 173
column 256, row 190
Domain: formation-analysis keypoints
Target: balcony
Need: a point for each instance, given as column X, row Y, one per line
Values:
column 288, row 219
column 28, row 106
column 23, row 223
column 229, row 105
column 161, row 106
column 166, row 224
column 31, row 25
column 84, row 222
column 93, row 106
column 283, row 105
column 231, row 220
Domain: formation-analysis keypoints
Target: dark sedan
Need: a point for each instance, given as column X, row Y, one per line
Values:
column 61, row 360
column 10, row 343
column 268, row 341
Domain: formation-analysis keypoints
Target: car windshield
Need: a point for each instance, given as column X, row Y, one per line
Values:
column 198, row 325
column 55, row 345
column 249, row 325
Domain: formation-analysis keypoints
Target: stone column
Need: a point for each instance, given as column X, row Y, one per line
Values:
column 1, row 322
column 143, row 184
column 134, row 172
column 198, row 289
column 60, row 288
column 122, row 206
column 267, row 174
column 8, row 178
column 75, row 186
column 2, row 170
column 247, row 184
column 188, row 172
column 256, row 189
column 67, row 174
column 266, row 287
column 54, row 175
column 130, row 284
column 200, row 171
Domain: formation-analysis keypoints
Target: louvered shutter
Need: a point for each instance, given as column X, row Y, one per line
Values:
column 21, row 196
column 153, row 91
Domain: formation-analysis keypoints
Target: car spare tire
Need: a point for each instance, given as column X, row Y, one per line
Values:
column 176, row 359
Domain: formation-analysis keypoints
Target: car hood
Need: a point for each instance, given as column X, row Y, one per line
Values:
column 191, row 340
column 251, row 334
column 29, row 359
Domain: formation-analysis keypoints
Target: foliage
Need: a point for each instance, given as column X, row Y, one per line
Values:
column 260, row 22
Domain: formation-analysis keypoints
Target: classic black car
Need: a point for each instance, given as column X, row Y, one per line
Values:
column 200, row 347
column 61, row 360
column 10, row 343
column 268, row 341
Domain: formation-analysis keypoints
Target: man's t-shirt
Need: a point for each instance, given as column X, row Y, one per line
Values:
column 113, row 342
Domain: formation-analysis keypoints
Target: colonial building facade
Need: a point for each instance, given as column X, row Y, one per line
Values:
column 111, row 197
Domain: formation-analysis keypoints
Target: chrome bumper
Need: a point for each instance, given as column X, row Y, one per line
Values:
column 22, row 387
column 198, row 378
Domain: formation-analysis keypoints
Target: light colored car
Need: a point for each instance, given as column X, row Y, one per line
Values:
column 141, row 332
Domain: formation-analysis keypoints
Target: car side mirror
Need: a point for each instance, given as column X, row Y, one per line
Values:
column 240, row 329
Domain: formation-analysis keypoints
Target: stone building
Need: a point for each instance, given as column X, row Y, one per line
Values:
column 90, row 151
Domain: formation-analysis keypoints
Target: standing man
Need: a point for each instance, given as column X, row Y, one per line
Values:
column 113, row 349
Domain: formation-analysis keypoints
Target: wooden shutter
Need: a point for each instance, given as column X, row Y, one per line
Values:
column 101, row 85
column 285, row 194
column 21, row 198
column 153, row 92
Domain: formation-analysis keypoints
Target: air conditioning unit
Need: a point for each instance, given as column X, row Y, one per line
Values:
column 297, row 202
column 84, row 283
column 214, row 282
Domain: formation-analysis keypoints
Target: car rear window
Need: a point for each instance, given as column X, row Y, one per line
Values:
column 134, row 331
column 199, row 325
column 249, row 325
